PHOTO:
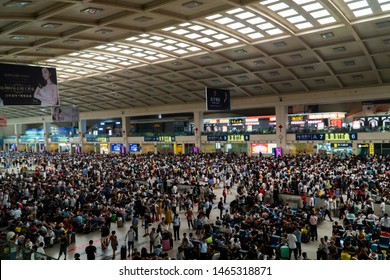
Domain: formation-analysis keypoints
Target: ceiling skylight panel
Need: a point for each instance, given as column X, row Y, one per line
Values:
column 220, row 36
column 256, row 20
column 180, row 31
column 296, row 19
column 127, row 52
column 246, row 30
column 113, row 49
column 215, row 44
column 194, row 49
column 170, row 41
column 157, row 38
column 139, row 54
column 150, row 52
column 160, row 55
column 90, row 66
column 181, row 51
column 363, row 12
column 301, row 2
column 76, row 63
column 288, row 13
column 157, row 44
column 245, row 15
column 144, row 41
column 193, row 36
column 385, row 7
column 304, row 25
column 101, row 47
column 224, row 20
column 265, row 26
column 113, row 60
column 102, row 68
column 169, row 28
column 169, row 48
column 196, row 27
column 100, row 57
column 266, row 2
column 274, row 31
column 151, row 58
column 185, row 24
column 326, row 20
column 319, row 14
column 256, row 35
column 358, row 5
column 235, row 11
column 182, row 45
column 236, row 25
column 132, row 38
column 124, row 63
column 278, row 6
column 204, row 40
column 312, row 7
column 209, row 32
column 212, row 17
column 86, row 55
column 231, row 41
column 74, row 54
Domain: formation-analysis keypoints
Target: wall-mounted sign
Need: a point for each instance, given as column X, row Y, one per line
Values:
column 160, row 138
column 326, row 137
column 59, row 139
column 341, row 136
column 365, row 146
column 96, row 138
column 238, row 138
column 297, row 118
column 236, row 121
column 341, row 145
column 217, row 138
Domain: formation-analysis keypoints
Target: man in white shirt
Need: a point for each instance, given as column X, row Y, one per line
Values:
column 385, row 223
column 292, row 245
column 383, row 207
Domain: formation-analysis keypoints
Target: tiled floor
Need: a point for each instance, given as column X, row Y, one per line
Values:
column 83, row 239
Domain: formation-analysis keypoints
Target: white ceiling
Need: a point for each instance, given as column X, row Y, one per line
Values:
column 143, row 53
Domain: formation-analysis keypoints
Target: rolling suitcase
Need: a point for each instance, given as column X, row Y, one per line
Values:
column 123, row 252
column 119, row 222
column 166, row 244
column 284, row 253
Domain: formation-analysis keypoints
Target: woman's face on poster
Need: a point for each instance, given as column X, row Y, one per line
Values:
column 45, row 73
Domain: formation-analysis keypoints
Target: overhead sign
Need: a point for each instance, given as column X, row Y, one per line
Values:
column 238, row 138
column 326, row 137
column 59, row 139
column 96, row 138
column 159, row 138
column 341, row 145
column 28, row 85
column 217, row 99
column 217, row 138
column 65, row 114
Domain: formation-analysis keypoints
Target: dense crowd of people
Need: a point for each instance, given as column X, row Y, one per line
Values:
column 47, row 198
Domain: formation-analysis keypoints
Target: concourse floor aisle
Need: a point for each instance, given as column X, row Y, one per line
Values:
column 325, row 228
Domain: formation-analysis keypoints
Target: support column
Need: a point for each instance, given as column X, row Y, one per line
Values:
column 18, row 132
column 198, row 121
column 125, row 132
column 281, row 112
column 82, row 131
column 46, row 133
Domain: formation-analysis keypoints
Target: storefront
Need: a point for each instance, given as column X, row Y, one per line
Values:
column 334, row 148
column 366, row 148
column 99, row 144
column 327, row 122
column 160, row 144
column 236, row 143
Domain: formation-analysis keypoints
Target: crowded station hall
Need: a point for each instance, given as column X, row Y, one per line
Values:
column 195, row 130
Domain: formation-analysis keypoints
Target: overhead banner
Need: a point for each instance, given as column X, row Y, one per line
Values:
column 65, row 114
column 376, row 107
column 217, row 99
column 3, row 120
column 28, row 85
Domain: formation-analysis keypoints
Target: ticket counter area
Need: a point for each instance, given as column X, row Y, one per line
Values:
column 263, row 148
column 334, row 148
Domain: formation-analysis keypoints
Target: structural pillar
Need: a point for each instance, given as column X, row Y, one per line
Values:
column 46, row 133
column 125, row 132
column 198, row 122
column 281, row 112
column 82, row 131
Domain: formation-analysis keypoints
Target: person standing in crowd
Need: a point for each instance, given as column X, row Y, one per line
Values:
column 385, row 223
column 176, row 226
column 292, row 244
column 113, row 240
column 322, row 252
column 220, row 207
column 190, row 218
column 105, row 234
column 298, row 235
column 90, row 250
column 313, row 220
column 152, row 237
column 130, row 238
column 64, row 242
column 134, row 223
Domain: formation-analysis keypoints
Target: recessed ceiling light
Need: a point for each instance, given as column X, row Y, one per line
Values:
column 240, row 51
column 51, row 25
column 296, row 56
column 243, row 78
column 383, row 24
column 280, row 44
column 357, row 77
column 91, row 11
column 206, row 58
column 349, row 63
column 386, row 42
column 259, row 62
column 103, row 31
column 216, row 81
column 339, row 49
column 319, row 81
column 143, row 19
column 16, row 4
column 70, row 41
column 192, row 4
column 18, row 37
column 274, row 73
column 327, row 35
column 227, row 67
column 308, row 69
